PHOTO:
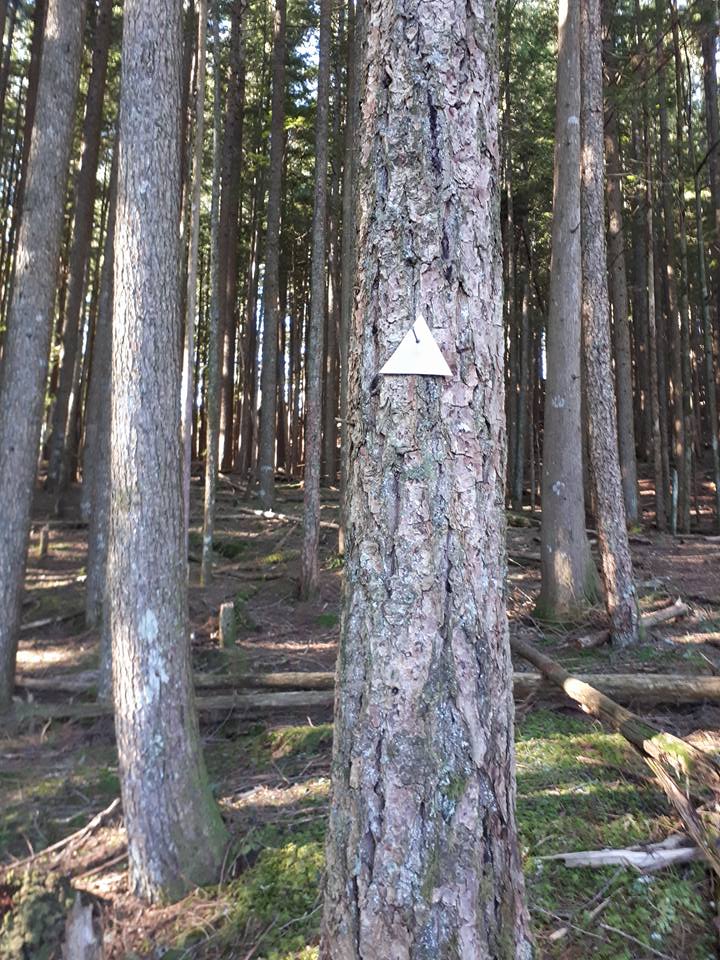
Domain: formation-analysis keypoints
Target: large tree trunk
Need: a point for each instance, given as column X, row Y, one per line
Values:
column 616, row 563
column 65, row 409
column 569, row 579
column 176, row 838
column 27, row 341
column 268, row 375
column 313, row 387
column 422, row 852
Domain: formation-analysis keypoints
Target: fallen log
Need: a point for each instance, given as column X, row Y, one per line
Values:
column 646, row 688
column 648, row 858
column 647, row 620
column 249, row 704
column 669, row 757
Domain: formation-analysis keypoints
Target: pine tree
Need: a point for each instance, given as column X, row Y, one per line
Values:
column 176, row 838
column 422, row 854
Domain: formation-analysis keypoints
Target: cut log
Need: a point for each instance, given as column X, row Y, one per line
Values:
column 227, row 625
column 646, row 688
column 648, row 620
column 669, row 757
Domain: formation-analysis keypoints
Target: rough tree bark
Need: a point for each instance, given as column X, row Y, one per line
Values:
column 27, row 340
column 268, row 375
column 616, row 563
column 313, row 386
column 422, row 848
column 569, row 579
column 175, row 835
column 65, row 407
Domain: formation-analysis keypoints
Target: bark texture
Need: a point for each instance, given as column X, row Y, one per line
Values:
column 616, row 563
column 569, row 580
column 175, row 835
column 422, row 849
column 27, row 340
column 313, row 388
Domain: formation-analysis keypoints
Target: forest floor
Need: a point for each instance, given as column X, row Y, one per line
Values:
column 579, row 786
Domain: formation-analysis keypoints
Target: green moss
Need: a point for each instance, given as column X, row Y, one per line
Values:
column 32, row 928
column 283, row 742
column 327, row 619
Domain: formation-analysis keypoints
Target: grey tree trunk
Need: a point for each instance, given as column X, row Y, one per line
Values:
column 316, row 327
column 569, row 579
column 523, row 396
column 188, row 379
column 617, row 279
column 616, row 563
column 229, row 214
column 27, row 340
column 97, row 448
column 176, row 838
column 65, row 408
column 671, row 279
column 422, row 853
column 268, row 375
column 347, row 250
column 212, row 396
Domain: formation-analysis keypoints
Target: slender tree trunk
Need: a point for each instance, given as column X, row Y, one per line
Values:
column 188, row 380
column 685, row 342
column 268, row 376
column 313, row 387
column 523, row 396
column 212, row 396
column 98, row 446
column 33, row 80
column 347, row 252
column 176, row 838
column 229, row 217
column 7, row 51
column 673, row 325
column 710, row 385
column 27, row 342
column 708, row 44
column 422, row 851
column 617, row 279
column 569, row 579
column 616, row 563
column 64, row 410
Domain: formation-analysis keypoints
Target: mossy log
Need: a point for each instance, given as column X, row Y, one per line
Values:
column 680, row 767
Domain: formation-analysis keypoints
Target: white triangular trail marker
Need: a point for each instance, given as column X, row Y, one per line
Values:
column 418, row 353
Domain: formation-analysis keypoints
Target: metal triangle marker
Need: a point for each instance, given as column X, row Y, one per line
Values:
column 418, row 353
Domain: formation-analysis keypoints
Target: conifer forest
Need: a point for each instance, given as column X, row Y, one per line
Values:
column 359, row 480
